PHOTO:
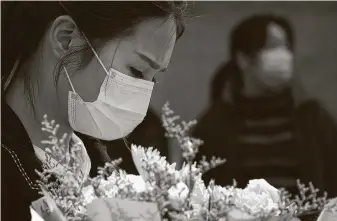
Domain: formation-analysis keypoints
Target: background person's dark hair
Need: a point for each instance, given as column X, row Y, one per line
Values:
column 24, row 24
column 248, row 37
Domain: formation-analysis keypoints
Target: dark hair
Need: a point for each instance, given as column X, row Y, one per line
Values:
column 25, row 23
column 248, row 37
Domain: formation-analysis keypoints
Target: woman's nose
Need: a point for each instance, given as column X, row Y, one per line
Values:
column 150, row 76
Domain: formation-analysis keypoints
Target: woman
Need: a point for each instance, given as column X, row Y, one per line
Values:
column 254, row 121
column 87, row 65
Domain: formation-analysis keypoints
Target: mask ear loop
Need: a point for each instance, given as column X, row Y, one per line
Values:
column 115, row 52
column 99, row 60
column 96, row 55
column 71, row 84
column 113, row 58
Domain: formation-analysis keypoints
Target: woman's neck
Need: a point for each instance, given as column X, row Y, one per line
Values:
column 31, row 118
column 252, row 89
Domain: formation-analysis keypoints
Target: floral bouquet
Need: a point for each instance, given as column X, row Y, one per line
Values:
column 160, row 191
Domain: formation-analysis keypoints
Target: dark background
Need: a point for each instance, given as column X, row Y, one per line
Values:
column 204, row 47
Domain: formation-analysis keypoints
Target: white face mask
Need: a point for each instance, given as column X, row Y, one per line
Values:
column 278, row 60
column 276, row 67
column 121, row 106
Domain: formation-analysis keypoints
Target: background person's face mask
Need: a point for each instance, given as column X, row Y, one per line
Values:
column 121, row 106
column 276, row 67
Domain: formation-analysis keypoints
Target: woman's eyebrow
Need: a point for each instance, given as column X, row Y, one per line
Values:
column 152, row 62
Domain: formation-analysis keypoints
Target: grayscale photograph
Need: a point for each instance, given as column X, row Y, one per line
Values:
column 168, row 110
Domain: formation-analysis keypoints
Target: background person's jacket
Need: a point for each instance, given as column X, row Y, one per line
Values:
column 303, row 146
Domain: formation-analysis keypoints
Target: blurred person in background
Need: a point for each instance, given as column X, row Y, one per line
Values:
column 253, row 120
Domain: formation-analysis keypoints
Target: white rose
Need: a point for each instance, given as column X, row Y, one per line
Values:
column 260, row 186
column 252, row 203
column 177, row 195
column 258, row 197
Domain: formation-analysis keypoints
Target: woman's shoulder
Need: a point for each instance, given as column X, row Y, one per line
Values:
column 12, row 171
column 313, row 111
column 16, row 193
column 312, row 106
column 8, row 165
column 214, row 123
column 216, row 113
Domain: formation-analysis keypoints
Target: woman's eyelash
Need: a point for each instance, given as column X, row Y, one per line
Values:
column 136, row 73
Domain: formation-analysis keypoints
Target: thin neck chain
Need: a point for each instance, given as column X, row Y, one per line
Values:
column 21, row 169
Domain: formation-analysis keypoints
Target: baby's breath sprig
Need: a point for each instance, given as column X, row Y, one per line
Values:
column 56, row 147
column 308, row 200
column 63, row 180
column 305, row 203
column 180, row 132
column 205, row 165
column 189, row 145
column 109, row 167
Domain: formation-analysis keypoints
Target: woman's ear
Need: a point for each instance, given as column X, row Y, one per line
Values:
column 64, row 35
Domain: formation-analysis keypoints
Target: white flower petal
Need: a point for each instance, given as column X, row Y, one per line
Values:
column 327, row 216
column 138, row 153
column 199, row 195
column 35, row 216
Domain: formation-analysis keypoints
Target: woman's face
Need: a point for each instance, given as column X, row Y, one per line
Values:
column 273, row 66
column 142, row 54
